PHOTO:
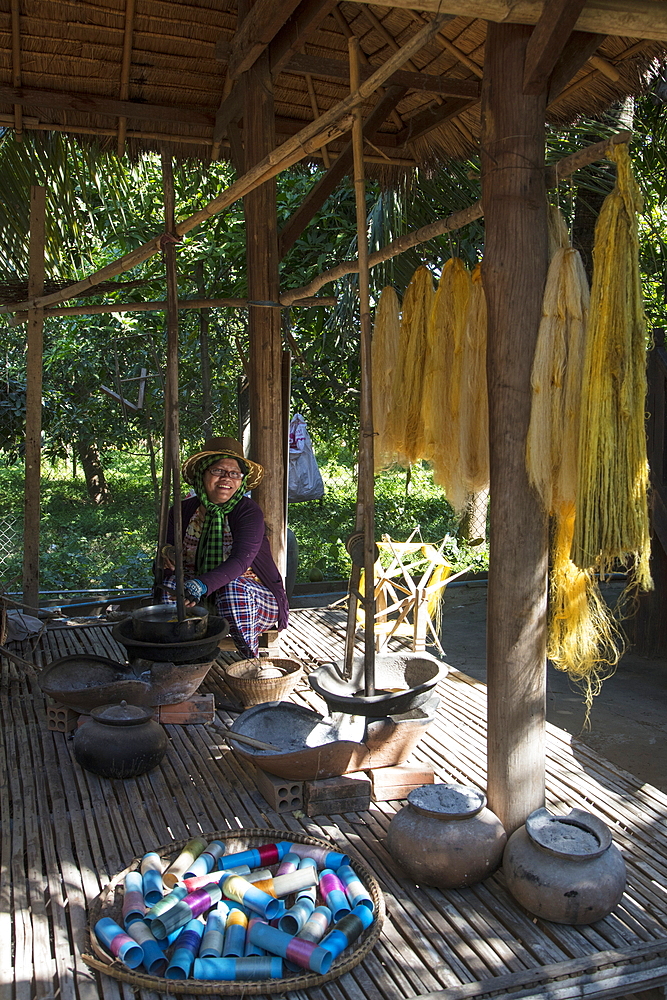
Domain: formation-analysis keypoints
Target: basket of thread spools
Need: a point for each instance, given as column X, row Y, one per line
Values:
column 236, row 912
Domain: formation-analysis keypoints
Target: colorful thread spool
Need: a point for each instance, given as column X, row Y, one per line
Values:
column 333, row 893
column 250, row 948
column 285, row 885
column 235, row 933
column 186, row 909
column 323, row 857
column 134, row 907
column 309, row 892
column 214, row 932
column 290, row 863
column 181, row 865
column 207, row 860
column 120, row 944
column 317, row 925
column 154, row 959
column 199, row 881
column 239, row 969
column 259, row 875
column 239, row 889
column 294, row 919
column 264, row 856
column 347, row 930
column 355, row 890
column 151, row 877
column 185, row 949
column 305, row 954
column 166, row 902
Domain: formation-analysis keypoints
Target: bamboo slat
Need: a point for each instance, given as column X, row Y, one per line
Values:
column 71, row 831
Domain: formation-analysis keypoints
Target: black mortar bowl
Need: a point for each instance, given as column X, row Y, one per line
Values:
column 186, row 651
column 403, row 681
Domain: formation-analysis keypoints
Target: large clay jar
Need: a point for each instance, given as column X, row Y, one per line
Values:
column 120, row 741
column 564, row 868
column 446, row 836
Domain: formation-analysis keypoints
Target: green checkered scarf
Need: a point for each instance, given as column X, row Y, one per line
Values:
column 209, row 551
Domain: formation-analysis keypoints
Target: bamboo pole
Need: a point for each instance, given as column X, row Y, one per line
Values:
column 514, row 274
column 204, row 317
column 183, row 304
column 171, row 392
column 554, row 173
column 33, row 402
column 366, row 484
column 330, row 125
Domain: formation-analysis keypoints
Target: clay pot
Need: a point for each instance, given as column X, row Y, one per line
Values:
column 564, row 868
column 120, row 741
column 446, row 836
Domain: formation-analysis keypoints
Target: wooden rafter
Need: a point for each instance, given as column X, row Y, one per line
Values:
column 579, row 49
column 363, row 58
column 336, row 69
column 257, row 29
column 70, row 101
column 126, row 62
column 16, row 66
column 547, row 42
column 627, row 18
column 426, row 121
column 316, row 114
column 319, row 193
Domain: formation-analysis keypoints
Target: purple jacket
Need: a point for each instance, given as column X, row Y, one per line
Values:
column 250, row 548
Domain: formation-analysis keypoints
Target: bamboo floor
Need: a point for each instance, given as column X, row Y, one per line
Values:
column 65, row 832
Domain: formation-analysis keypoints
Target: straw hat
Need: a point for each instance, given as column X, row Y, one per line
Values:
column 223, row 446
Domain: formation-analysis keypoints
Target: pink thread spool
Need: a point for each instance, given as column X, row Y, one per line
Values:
column 305, row 954
column 134, row 907
column 323, row 857
column 354, row 888
column 290, row 863
column 120, row 944
column 333, row 893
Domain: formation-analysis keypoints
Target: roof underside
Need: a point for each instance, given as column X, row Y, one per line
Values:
column 67, row 65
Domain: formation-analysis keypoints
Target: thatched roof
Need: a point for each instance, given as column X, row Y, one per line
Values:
column 150, row 74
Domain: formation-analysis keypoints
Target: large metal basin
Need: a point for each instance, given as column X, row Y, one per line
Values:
column 86, row 681
column 160, row 623
column 175, row 652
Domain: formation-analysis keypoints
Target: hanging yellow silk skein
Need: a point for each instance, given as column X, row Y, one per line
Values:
column 405, row 426
column 442, row 381
column 384, row 353
column 583, row 638
column 474, row 404
column 612, row 513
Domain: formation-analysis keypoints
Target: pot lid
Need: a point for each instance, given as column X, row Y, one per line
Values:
column 447, row 801
column 122, row 715
column 578, row 836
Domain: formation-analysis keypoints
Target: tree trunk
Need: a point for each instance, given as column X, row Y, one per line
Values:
column 96, row 483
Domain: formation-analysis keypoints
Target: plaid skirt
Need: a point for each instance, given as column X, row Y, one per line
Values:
column 249, row 607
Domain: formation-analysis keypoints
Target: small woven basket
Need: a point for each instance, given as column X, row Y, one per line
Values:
column 110, row 900
column 244, row 678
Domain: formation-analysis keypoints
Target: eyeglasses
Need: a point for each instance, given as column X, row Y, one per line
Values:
column 225, row 474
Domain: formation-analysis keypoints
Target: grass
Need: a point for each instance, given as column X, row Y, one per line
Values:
column 85, row 546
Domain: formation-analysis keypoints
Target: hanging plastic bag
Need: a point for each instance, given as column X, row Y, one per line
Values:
column 305, row 480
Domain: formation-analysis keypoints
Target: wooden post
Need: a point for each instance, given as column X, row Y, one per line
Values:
column 171, row 428
column 266, row 428
column 366, row 463
column 514, row 273
column 204, row 315
column 33, row 402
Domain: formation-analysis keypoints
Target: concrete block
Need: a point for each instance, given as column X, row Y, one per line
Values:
column 198, row 710
column 348, row 793
column 397, row 782
column 60, row 719
column 283, row 794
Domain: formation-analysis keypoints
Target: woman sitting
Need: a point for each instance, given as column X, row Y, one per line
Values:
column 226, row 555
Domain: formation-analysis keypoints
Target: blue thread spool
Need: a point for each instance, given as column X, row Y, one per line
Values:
column 317, row 925
column 347, row 930
column 134, row 907
column 185, row 949
column 302, row 953
column 166, row 903
column 235, row 933
column 233, row 969
column 120, row 944
column 354, row 888
column 294, row 919
column 214, row 933
column 155, row 961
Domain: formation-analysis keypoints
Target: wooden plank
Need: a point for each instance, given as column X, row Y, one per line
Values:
column 307, row 17
column 255, row 31
column 580, row 46
column 547, row 42
column 63, row 100
column 426, row 121
column 336, row 69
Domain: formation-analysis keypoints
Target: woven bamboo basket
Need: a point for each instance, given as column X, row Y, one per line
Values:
column 244, row 678
column 109, row 903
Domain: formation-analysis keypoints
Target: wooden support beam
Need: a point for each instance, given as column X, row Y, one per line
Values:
column 70, row 101
column 124, row 89
column 547, row 42
column 33, row 402
column 514, row 274
column 306, row 19
column 626, row 18
column 161, row 306
column 264, row 328
column 426, row 121
column 319, row 193
column 579, row 49
column 255, row 31
column 313, row 136
column 16, row 66
column 336, row 69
